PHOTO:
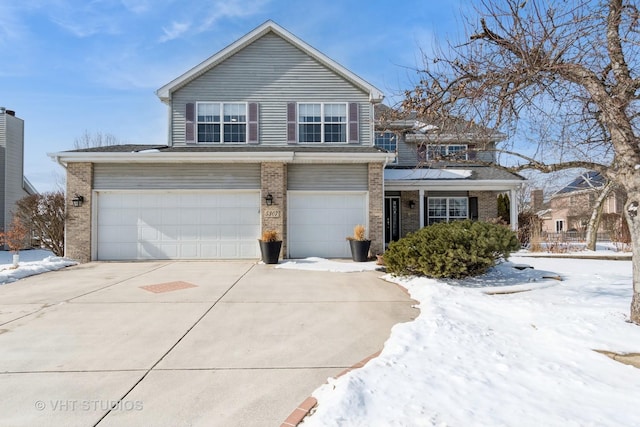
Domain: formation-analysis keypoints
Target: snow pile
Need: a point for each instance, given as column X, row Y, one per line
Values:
column 525, row 359
column 321, row 264
column 35, row 261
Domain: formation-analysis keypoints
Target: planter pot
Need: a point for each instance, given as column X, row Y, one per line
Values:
column 270, row 251
column 360, row 250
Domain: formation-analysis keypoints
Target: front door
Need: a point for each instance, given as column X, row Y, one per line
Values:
column 391, row 219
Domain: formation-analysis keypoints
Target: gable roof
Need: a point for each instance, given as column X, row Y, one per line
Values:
column 387, row 118
column 589, row 180
column 164, row 93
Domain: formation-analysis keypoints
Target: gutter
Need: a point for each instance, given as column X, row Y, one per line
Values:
column 216, row 157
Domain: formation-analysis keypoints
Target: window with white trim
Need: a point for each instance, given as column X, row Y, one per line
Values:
column 387, row 141
column 221, row 122
column 444, row 152
column 445, row 209
column 559, row 225
column 322, row 122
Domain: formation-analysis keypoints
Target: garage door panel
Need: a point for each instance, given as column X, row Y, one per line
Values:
column 175, row 225
column 319, row 222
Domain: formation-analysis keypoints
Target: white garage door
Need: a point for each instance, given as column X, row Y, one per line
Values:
column 320, row 222
column 177, row 225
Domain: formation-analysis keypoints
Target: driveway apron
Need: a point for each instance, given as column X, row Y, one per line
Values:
column 183, row 343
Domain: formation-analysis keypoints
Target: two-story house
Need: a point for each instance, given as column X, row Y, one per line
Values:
column 268, row 133
column 570, row 208
column 13, row 184
column 441, row 172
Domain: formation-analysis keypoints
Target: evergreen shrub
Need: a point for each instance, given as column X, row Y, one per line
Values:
column 453, row 250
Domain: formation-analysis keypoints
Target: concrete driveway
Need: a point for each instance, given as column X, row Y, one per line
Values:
column 204, row 344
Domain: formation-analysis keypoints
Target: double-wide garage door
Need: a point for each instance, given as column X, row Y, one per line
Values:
column 177, row 224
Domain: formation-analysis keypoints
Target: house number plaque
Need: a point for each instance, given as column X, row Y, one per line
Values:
column 272, row 214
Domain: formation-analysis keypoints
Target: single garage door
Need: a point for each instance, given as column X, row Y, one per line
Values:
column 320, row 222
column 177, row 225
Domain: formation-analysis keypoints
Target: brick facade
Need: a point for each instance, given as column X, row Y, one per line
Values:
column 274, row 182
column 78, row 224
column 487, row 204
column 376, row 207
column 409, row 218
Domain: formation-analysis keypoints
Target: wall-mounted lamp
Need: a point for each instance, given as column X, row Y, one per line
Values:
column 77, row 201
column 412, row 204
column 269, row 199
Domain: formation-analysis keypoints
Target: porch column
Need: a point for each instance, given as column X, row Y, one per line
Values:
column 421, row 199
column 513, row 211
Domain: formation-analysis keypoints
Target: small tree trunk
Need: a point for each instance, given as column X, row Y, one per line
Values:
column 632, row 211
column 596, row 215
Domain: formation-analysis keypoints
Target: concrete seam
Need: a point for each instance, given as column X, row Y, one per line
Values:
column 174, row 345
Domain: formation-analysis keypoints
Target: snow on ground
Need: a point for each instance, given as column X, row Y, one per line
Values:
column 472, row 358
column 321, row 264
column 33, row 261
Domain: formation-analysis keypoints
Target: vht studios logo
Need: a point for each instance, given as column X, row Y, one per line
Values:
column 88, row 405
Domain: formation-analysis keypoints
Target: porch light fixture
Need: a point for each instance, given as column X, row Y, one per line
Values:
column 412, row 204
column 269, row 199
column 77, row 201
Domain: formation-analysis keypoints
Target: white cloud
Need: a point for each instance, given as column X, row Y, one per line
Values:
column 210, row 14
column 11, row 28
column 137, row 6
column 175, row 31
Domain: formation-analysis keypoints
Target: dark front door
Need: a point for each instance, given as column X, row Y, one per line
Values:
column 391, row 219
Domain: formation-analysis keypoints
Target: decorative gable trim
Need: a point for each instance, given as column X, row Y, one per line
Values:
column 164, row 93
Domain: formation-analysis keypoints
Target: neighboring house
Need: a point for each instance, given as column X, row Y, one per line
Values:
column 268, row 133
column 570, row 208
column 13, row 184
column 441, row 173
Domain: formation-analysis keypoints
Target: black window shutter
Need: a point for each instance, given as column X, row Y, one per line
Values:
column 252, row 137
column 353, row 123
column 189, row 131
column 291, row 123
column 473, row 208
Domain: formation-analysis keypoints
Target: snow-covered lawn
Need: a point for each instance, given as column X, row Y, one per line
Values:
column 33, row 261
column 475, row 358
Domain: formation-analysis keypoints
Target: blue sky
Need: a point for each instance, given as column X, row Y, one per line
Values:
column 75, row 65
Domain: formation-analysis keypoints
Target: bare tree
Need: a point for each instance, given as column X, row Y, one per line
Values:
column 96, row 139
column 44, row 214
column 564, row 73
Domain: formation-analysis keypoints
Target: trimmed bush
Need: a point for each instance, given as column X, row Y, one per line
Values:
column 454, row 250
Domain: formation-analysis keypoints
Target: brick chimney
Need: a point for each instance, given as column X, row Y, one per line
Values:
column 537, row 199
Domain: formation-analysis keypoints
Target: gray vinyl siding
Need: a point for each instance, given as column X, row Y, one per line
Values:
column 3, row 147
column 408, row 156
column 270, row 72
column 187, row 176
column 12, row 159
column 327, row 177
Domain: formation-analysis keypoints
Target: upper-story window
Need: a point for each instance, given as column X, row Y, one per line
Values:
column 221, row 122
column 387, row 141
column 442, row 152
column 458, row 152
column 318, row 123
